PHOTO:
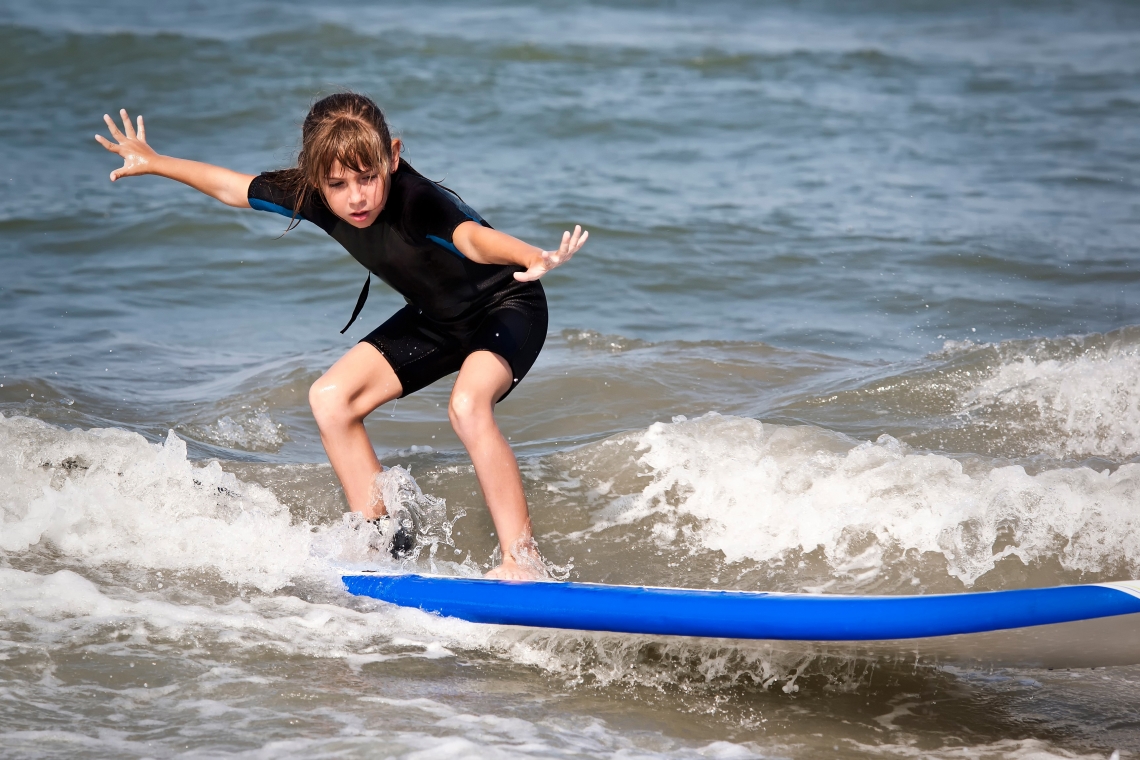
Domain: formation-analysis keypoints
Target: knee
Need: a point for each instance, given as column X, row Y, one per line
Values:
column 330, row 408
column 468, row 414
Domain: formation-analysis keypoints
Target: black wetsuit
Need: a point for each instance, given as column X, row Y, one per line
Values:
column 455, row 306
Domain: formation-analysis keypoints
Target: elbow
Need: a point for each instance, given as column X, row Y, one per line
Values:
column 234, row 200
column 235, row 191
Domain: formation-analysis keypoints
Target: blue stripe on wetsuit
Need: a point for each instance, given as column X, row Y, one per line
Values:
column 468, row 212
column 261, row 205
column 446, row 244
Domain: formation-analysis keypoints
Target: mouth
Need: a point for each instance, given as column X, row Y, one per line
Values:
column 358, row 216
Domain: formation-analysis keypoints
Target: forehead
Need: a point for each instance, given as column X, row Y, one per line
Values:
column 337, row 170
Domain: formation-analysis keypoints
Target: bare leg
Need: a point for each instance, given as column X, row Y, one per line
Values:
column 358, row 383
column 483, row 378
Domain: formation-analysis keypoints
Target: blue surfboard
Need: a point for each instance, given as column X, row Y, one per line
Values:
column 748, row 614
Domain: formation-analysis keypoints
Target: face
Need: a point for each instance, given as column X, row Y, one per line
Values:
column 358, row 197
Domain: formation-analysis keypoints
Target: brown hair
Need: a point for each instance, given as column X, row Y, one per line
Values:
column 344, row 127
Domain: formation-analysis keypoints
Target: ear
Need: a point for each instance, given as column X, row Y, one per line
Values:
column 397, row 146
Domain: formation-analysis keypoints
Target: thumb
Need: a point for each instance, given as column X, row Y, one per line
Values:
column 530, row 275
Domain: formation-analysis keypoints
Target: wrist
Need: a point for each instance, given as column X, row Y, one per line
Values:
column 533, row 258
column 160, row 165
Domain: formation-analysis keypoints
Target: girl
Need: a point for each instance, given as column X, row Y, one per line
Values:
column 474, row 301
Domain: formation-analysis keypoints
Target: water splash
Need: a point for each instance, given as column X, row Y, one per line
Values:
column 1082, row 406
column 251, row 429
column 109, row 496
column 757, row 492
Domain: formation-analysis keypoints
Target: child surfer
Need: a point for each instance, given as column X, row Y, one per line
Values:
column 474, row 301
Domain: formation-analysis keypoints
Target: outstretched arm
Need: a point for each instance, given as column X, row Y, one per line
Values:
column 229, row 187
column 484, row 245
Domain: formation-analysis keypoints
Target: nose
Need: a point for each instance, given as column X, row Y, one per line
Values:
column 356, row 194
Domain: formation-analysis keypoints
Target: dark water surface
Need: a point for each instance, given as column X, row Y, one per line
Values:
column 858, row 314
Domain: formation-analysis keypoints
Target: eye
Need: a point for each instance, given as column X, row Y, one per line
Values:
column 336, row 183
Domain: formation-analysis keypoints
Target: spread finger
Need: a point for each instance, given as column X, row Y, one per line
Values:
column 107, row 143
column 128, row 128
column 115, row 131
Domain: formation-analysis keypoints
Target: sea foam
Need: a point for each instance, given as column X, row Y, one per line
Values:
column 108, row 495
column 1076, row 406
column 757, row 491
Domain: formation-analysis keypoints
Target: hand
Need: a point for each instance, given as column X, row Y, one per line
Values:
column 550, row 259
column 138, row 157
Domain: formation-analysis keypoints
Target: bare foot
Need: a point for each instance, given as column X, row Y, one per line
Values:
column 511, row 571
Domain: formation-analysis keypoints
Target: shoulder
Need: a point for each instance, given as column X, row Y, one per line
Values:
column 415, row 189
column 271, row 188
column 281, row 193
column 427, row 207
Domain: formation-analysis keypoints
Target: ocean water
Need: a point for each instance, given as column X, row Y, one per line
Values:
column 858, row 314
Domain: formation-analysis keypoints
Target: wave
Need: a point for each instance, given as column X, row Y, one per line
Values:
column 732, row 502
column 718, row 501
column 1060, row 400
column 108, row 497
column 1069, row 400
column 103, row 532
column 102, row 528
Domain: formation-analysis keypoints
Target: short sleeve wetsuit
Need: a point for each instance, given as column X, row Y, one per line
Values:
column 455, row 306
